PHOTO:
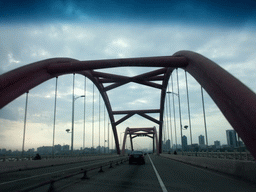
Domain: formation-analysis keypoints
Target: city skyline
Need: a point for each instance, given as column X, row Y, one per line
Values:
column 201, row 140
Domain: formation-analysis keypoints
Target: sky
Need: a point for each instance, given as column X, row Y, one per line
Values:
column 30, row 31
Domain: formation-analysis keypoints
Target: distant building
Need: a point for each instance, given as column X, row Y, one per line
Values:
column 184, row 142
column 65, row 148
column 240, row 144
column 201, row 141
column 168, row 145
column 3, row 151
column 57, row 148
column 217, row 144
column 44, row 149
column 178, row 146
column 231, row 138
column 31, row 150
column 163, row 146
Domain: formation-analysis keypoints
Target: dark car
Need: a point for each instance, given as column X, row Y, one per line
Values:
column 37, row 157
column 136, row 157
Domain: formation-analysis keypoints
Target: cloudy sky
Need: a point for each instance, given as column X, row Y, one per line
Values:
column 91, row 30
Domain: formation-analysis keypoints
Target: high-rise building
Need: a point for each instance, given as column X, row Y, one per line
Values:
column 231, row 138
column 201, row 141
column 217, row 144
column 168, row 146
column 184, row 142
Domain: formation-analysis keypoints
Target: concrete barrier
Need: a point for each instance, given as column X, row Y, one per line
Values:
column 242, row 169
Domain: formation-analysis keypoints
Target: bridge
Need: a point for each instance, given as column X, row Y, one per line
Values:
column 236, row 102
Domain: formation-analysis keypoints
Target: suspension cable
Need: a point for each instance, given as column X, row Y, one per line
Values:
column 167, row 126
column 179, row 109
column 108, row 135
column 84, row 111
column 205, row 128
column 99, row 122
column 164, row 130
column 73, row 115
column 174, row 115
column 170, row 116
column 188, row 108
column 54, row 117
column 113, row 139
column 93, row 118
column 25, row 123
column 104, row 127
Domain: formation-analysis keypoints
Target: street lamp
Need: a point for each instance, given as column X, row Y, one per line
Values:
column 173, row 93
column 185, row 127
column 73, row 112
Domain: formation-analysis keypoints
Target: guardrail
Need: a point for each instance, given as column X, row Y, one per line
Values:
column 84, row 171
column 222, row 155
column 30, row 157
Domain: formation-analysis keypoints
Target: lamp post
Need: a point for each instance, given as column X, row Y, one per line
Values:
column 72, row 128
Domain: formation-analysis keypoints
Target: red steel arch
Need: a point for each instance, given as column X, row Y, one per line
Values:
column 235, row 100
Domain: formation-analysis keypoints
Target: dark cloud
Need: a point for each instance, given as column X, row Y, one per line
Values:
column 226, row 13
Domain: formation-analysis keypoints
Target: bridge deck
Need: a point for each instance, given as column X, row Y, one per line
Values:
column 175, row 176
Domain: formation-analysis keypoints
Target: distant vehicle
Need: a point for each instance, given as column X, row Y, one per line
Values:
column 136, row 157
column 37, row 157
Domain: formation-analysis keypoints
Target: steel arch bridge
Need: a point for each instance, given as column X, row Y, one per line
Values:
column 236, row 101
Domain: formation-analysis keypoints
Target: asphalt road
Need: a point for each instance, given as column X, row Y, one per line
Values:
column 168, row 175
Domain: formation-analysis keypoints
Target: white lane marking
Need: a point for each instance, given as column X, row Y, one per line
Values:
column 158, row 176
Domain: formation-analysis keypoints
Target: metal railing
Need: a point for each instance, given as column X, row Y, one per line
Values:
column 5, row 158
column 221, row 155
column 51, row 182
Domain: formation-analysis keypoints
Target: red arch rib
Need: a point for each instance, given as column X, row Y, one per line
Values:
column 235, row 100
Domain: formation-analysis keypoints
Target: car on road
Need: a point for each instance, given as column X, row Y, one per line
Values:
column 137, row 157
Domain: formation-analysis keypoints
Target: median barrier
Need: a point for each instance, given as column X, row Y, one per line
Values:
column 24, row 165
column 83, row 171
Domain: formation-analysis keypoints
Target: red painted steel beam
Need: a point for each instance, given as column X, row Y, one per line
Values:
column 156, row 78
column 136, row 111
column 121, row 80
column 150, row 84
column 123, row 119
column 149, row 118
column 118, row 78
column 236, row 101
column 124, row 140
column 146, row 76
column 157, row 143
column 72, row 67
column 114, row 85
